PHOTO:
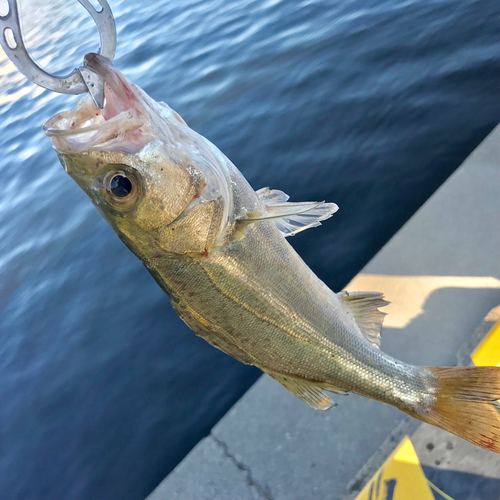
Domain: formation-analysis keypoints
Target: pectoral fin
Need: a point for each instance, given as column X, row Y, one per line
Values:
column 363, row 306
column 291, row 218
column 310, row 392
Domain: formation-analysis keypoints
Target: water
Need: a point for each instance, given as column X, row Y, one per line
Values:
column 368, row 103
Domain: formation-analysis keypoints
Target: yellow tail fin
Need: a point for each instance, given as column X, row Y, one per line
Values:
column 467, row 404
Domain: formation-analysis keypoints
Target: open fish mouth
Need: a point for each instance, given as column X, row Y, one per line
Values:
column 121, row 125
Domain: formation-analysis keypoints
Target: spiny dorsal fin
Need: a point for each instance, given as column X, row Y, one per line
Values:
column 363, row 306
column 291, row 218
column 272, row 196
column 310, row 392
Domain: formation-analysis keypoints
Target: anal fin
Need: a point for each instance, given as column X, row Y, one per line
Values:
column 311, row 393
column 363, row 306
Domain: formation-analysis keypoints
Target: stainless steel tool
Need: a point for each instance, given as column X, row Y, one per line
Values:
column 82, row 78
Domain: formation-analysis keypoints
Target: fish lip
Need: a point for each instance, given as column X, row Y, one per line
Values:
column 96, row 61
column 117, row 83
column 51, row 131
column 103, row 67
column 85, row 126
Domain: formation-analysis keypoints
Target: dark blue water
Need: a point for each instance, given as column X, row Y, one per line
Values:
column 368, row 103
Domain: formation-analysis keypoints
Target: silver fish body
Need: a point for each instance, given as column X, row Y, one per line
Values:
column 286, row 323
column 218, row 249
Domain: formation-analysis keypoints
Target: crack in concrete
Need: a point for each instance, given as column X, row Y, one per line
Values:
column 262, row 491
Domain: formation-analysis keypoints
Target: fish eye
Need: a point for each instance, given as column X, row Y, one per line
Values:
column 120, row 186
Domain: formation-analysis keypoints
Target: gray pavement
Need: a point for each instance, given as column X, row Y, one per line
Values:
column 441, row 271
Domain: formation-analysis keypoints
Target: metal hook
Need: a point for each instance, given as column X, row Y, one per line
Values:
column 80, row 80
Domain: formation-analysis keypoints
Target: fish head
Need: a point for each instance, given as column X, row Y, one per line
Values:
column 159, row 184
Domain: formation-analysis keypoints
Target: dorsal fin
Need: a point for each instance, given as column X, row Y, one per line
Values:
column 272, row 196
column 363, row 306
column 311, row 393
column 291, row 218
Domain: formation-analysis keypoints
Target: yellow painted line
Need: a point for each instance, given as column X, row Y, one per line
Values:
column 400, row 478
column 487, row 353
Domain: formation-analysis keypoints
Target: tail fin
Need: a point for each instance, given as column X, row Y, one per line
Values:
column 467, row 404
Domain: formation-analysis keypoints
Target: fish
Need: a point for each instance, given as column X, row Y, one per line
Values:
column 219, row 250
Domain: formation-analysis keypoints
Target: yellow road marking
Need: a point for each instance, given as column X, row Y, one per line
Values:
column 487, row 353
column 399, row 478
